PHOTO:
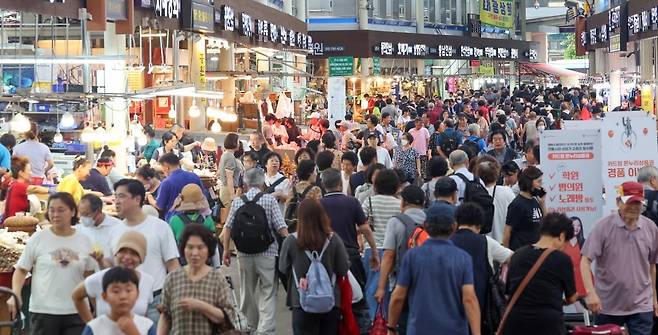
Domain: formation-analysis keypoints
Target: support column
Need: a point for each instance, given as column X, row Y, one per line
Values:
column 227, row 86
column 363, row 14
column 198, row 71
column 116, row 109
column 287, row 7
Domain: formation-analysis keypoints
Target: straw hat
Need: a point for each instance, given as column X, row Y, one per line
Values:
column 209, row 144
column 135, row 241
column 191, row 198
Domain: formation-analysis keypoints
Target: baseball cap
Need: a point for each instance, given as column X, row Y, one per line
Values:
column 135, row 241
column 413, row 195
column 631, row 191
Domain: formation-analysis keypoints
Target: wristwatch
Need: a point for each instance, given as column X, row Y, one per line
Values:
column 392, row 328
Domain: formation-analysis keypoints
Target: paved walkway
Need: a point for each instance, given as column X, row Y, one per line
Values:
column 283, row 315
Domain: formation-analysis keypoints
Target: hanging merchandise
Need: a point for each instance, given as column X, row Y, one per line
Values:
column 269, row 109
column 284, row 107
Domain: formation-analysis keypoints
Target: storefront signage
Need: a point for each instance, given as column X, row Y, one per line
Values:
column 167, row 8
column 198, row 17
column 228, row 19
column 116, row 10
column 581, row 36
column 497, row 13
column 341, row 66
column 144, row 3
column 448, row 51
column 320, row 49
column 617, row 28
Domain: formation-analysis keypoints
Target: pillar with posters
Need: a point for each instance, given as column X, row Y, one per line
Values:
column 571, row 160
column 628, row 140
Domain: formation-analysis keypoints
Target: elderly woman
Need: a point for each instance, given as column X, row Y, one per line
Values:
column 277, row 184
column 229, row 172
column 71, row 183
column 58, row 258
column 131, row 252
column 405, row 157
column 19, row 188
column 195, row 298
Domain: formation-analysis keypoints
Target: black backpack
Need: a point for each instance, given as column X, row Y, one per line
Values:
column 475, row 192
column 187, row 220
column 448, row 144
column 291, row 210
column 251, row 231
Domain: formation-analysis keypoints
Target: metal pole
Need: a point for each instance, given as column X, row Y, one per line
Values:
column 86, row 50
column 177, row 38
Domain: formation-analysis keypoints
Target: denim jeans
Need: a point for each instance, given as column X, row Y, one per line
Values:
column 371, row 285
column 152, row 310
column 636, row 324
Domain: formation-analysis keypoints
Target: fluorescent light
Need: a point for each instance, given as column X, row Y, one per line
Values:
column 154, row 35
column 9, row 59
column 211, row 78
column 179, row 91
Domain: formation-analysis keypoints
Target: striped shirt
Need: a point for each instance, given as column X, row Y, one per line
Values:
column 383, row 208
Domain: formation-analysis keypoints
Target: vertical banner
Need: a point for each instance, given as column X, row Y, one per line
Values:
column 581, row 36
column 571, row 160
column 336, row 99
column 497, row 13
column 629, row 140
column 647, row 99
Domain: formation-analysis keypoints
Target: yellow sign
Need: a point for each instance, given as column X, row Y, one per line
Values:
column 487, row 70
column 647, row 99
column 497, row 13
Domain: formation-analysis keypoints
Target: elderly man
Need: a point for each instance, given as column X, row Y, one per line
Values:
column 624, row 246
column 648, row 177
column 258, row 283
column 474, row 136
column 459, row 163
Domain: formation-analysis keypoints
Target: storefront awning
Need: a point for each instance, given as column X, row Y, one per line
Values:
column 543, row 69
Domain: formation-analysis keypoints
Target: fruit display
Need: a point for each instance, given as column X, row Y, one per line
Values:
column 11, row 247
column 8, row 257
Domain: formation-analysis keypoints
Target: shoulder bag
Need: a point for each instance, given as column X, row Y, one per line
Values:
column 522, row 286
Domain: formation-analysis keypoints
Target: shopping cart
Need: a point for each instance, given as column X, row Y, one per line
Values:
column 16, row 324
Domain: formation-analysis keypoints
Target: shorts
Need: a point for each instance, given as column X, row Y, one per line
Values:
column 225, row 196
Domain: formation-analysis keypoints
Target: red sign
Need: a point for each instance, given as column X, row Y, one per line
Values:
column 475, row 63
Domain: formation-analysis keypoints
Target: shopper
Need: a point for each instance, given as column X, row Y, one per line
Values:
column 407, row 157
column 162, row 255
column 172, row 185
column 488, row 170
column 363, row 192
column 648, row 177
column 113, row 175
column 368, row 156
column 151, row 143
column 526, row 210
column 95, row 224
column 349, row 163
column 277, row 184
column 191, row 206
column 445, row 193
column 195, row 298
column 71, row 183
column 41, row 160
column 151, row 181
column 313, row 234
column 258, row 284
column 58, row 259
column 329, row 144
column 398, row 230
column 459, row 162
column 130, row 255
column 306, row 187
column 501, row 151
column 169, row 144
column 383, row 156
column 437, row 280
column 228, row 162
column 259, row 146
column 96, row 181
column 484, row 251
column 421, row 140
column 541, row 302
column 624, row 277
column 437, row 168
column 15, row 193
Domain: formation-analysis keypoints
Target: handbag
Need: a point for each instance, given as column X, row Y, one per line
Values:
column 522, row 286
column 496, row 299
column 379, row 323
column 371, row 218
column 357, row 293
column 589, row 329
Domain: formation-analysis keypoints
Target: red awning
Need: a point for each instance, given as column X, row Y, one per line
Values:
column 547, row 69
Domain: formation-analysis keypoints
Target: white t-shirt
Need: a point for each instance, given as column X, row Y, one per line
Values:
column 383, row 157
column 160, row 246
column 100, row 235
column 346, row 182
column 497, row 252
column 58, row 265
column 103, row 325
column 503, row 197
column 461, row 186
column 94, row 288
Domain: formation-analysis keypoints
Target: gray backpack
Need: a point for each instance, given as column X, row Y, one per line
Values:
column 318, row 297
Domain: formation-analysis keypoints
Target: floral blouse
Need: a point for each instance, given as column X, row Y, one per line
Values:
column 406, row 160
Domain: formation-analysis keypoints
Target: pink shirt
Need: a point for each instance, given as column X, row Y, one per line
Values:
column 623, row 259
column 421, row 138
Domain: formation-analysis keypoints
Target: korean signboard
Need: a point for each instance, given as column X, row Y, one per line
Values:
column 198, row 16
column 497, row 13
column 629, row 139
column 617, row 28
column 566, row 155
column 450, row 51
column 341, row 66
column 168, row 8
column 376, row 66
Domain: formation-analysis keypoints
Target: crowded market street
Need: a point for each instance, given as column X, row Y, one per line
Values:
column 313, row 167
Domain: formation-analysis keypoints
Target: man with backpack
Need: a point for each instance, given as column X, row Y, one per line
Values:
column 399, row 230
column 253, row 220
column 437, row 280
column 471, row 189
column 447, row 141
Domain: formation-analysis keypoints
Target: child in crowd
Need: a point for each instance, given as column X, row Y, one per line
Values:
column 120, row 291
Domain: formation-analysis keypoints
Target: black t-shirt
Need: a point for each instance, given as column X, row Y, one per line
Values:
column 261, row 154
column 96, row 182
column 476, row 246
column 345, row 214
column 524, row 216
column 356, row 180
column 540, row 304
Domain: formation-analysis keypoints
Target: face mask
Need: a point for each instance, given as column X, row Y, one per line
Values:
column 541, row 128
column 87, row 221
column 405, row 142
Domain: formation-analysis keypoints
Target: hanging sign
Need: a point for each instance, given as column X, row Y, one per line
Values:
column 336, row 99
column 116, row 10
column 376, row 66
column 566, row 155
column 629, row 139
column 647, row 99
column 199, row 17
column 341, row 66
column 497, row 13
column 168, row 8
